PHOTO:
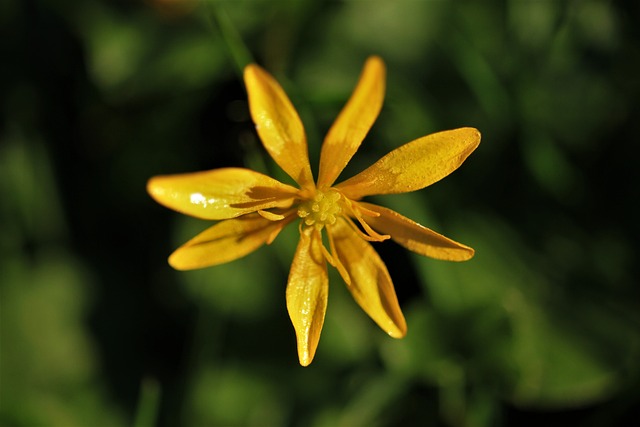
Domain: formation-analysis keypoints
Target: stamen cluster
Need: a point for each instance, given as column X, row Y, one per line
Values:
column 324, row 208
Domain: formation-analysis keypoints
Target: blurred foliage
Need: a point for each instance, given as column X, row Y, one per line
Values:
column 542, row 326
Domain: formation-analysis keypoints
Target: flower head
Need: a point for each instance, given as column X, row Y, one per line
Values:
column 254, row 208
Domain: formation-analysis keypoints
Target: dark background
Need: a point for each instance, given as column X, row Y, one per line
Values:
column 541, row 327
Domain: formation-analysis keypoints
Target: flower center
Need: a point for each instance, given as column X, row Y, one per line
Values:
column 322, row 209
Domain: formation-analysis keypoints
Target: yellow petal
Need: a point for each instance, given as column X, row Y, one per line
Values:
column 278, row 124
column 307, row 293
column 220, row 193
column 226, row 241
column 353, row 123
column 415, row 237
column 371, row 285
column 414, row 165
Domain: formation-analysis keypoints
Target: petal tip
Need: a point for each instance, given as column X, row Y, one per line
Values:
column 460, row 254
column 375, row 60
column 252, row 75
column 465, row 253
column 251, row 69
column 399, row 332
column 474, row 135
column 471, row 253
column 152, row 188
column 177, row 262
column 306, row 361
column 305, row 354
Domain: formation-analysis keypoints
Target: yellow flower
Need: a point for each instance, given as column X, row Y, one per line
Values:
column 254, row 207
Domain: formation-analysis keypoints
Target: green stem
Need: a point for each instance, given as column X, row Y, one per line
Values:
column 240, row 54
column 148, row 403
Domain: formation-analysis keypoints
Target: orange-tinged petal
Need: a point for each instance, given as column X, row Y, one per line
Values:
column 353, row 123
column 226, row 241
column 220, row 193
column 307, row 293
column 278, row 124
column 414, row 165
column 371, row 285
column 415, row 237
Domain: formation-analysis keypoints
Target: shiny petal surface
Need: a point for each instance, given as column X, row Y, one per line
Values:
column 415, row 237
column 353, row 123
column 278, row 124
column 414, row 165
column 220, row 193
column 226, row 241
column 307, row 293
column 371, row 285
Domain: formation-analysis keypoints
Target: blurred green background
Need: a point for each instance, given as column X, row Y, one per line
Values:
column 541, row 327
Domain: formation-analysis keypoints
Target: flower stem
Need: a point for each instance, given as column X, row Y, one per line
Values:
column 238, row 50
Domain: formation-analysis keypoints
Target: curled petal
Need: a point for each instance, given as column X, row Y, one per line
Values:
column 415, row 237
column 414, row 165
column 371, row 285
column 220, row 193
column 307, row 293
column 353, row 123
column 226, row 241
column 278, row 124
